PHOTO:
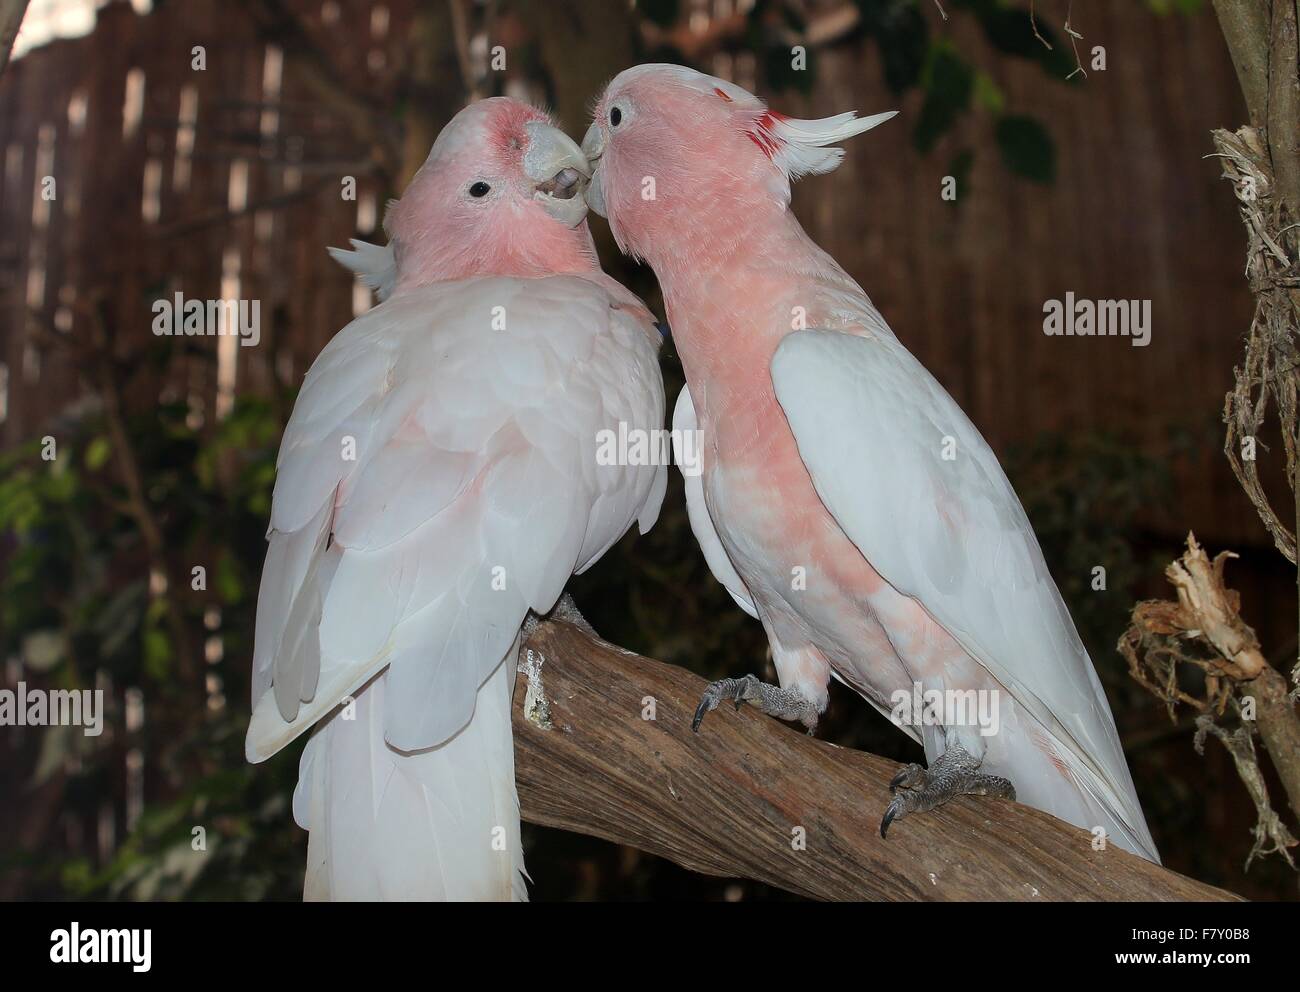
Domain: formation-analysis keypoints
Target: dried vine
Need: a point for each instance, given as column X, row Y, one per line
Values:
column 1242, row 693
column 1271, row 367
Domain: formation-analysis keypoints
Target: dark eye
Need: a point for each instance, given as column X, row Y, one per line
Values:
column 615, row 117
column 479, row 189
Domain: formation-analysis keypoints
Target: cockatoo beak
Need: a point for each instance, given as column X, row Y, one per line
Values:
column 559, row 169
column 593, row 146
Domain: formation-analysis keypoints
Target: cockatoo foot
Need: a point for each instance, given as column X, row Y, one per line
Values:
column 565, row 609
column 784, row 704
column 954, row 773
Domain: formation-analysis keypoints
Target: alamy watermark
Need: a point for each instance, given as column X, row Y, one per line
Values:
column 91, row 946
column 1073, row 317
column 23, row 707
column 638, row 446
column 920, row 707
column 180, row 317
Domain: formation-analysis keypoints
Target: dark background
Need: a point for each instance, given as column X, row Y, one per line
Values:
column 227, row 181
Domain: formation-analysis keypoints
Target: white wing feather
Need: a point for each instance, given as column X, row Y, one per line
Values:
column 697, row 511
column 871, row 423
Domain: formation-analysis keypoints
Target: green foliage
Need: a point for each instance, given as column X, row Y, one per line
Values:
column 1026, row 147
column 1010, row 30
column 952, row 86
column 902, row 37
column 76, row 607
column 948, row 83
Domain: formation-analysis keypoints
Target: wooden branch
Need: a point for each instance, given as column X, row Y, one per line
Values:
column 727, row 801
column 11, row 18
column 1245, row 26
column 1284, row 108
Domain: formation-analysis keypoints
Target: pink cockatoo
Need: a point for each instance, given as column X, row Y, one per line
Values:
column 437, row 481
column 846, row 501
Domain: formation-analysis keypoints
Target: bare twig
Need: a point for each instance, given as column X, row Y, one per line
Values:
column 1033, row 24
column 1074, row 42
column 1269, row 827
column 223, row 215
column 1272, row 349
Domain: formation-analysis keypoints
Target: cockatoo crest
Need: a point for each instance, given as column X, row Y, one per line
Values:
column 799, row 147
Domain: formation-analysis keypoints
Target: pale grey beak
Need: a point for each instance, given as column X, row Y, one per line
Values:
column 559, row 169
column 593, row 146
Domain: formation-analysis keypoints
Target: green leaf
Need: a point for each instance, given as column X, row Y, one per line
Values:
column 97, row 453
column 949, row 83
column 157, row 654
column 987, row 93
column 1026, row 147
column 229, row 583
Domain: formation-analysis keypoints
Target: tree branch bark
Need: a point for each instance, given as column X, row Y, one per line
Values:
column 729, row 801
column 11, row 18
column 1245, row 25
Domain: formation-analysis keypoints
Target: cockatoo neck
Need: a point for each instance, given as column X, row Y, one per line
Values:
column 544, row 249
column 729, row 301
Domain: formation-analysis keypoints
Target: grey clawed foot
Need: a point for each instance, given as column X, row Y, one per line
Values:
column 785, row 704
column 739, row 690
column 954, row 773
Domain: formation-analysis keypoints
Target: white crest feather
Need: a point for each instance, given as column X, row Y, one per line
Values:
column 801, row 145
column 374, row 265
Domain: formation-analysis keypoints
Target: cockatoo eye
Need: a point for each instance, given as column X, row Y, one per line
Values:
column 615, row 116
column 480, row 188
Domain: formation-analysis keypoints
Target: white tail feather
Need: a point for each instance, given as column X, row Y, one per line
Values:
column 434, row 825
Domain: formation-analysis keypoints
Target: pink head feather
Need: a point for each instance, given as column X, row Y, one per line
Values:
column 440, row 231
column 715, row 157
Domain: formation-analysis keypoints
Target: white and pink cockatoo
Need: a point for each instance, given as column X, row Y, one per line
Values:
column 846, row 501
column 438, row 480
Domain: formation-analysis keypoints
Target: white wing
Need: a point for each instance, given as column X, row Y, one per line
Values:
column 697, row 512
column 437, row 479
column 871, row 424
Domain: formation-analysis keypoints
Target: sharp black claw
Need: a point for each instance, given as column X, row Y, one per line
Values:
column 895, row 782
column 884, row 823
column 699, row 715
